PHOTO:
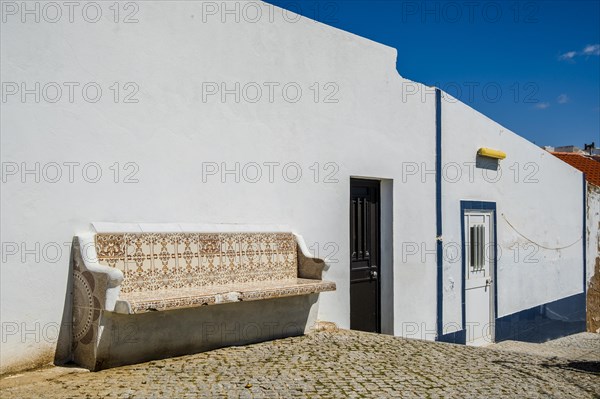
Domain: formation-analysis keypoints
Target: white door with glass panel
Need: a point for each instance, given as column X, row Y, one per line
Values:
column 479, row 288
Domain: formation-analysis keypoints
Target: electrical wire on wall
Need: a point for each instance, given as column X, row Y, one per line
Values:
column 533, row 242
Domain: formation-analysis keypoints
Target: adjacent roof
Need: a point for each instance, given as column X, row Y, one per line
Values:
column 584, row 163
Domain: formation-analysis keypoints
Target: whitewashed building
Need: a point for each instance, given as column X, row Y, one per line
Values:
column 178, row 112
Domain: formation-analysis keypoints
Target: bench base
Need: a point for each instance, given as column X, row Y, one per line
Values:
column 130, row 339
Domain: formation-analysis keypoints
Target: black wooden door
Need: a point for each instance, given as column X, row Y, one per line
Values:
column 364, row 255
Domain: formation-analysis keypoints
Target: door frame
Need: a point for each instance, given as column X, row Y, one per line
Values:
column 375, row 183
column 481, row 206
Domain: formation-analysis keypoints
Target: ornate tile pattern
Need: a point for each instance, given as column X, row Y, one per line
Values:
column 166, row 261
column 110, row 248
column 177, row 270
column 89, row 295
column 190, row 297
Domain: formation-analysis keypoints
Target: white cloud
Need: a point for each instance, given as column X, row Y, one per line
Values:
column 589, row 50
column 563, row 99
column 568, row 56
column 542, row 105
column 592, row 49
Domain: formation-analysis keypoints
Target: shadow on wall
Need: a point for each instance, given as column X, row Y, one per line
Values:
column 487, row 163
column 64, row 353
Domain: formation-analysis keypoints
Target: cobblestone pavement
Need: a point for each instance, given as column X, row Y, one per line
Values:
column 333, row 365
column 577, row 347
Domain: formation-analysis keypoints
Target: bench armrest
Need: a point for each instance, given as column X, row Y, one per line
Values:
column 308, row 266
column 114, row 276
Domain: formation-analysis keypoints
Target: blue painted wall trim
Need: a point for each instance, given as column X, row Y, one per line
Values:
column 438, row 211
column 457, row 337
column 584, row 234
column 544, row 322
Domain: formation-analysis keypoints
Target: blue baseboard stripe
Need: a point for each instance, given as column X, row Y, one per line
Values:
column 457, row 337
column 544, row 322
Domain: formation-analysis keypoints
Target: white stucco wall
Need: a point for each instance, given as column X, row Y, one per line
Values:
column 541, row 196
column 380, row 126
column 170, row 132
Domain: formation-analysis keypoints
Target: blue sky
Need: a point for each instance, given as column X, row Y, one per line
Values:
column 533, row 66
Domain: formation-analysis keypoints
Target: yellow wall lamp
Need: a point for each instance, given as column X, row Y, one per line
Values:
column 491, row 153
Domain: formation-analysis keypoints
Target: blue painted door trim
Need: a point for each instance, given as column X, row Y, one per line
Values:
column 460, row 337
column 478, row 206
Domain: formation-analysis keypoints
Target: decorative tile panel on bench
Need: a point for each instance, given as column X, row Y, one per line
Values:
column 157, row 261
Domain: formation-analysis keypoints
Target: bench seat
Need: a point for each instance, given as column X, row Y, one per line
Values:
column 139, row 302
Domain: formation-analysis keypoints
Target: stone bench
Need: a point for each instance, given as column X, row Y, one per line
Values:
column 132, row 273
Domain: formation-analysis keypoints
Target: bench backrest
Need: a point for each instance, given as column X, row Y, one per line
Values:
column 156, row 261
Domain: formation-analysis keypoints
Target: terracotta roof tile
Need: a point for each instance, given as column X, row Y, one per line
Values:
column 584, row 163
